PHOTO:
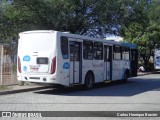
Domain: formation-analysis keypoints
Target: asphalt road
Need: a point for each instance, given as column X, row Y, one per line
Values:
column 141, row 93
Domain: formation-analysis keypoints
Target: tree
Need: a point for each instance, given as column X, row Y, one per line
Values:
column 145, row 29
column 87, row 17
column 14, row 20
column 154, row 23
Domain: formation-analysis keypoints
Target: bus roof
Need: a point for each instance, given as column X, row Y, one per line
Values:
column 133, row 46
column 67, row 34
column 37, row 31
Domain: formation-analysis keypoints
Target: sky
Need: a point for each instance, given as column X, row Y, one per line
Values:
column 116, row 38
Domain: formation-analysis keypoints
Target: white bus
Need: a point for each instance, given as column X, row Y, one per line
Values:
column 157, row 59
column 68, row 59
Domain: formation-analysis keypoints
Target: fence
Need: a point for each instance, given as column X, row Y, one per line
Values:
column 8, row 56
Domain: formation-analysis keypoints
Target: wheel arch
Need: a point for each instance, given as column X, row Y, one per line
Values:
column 89, row 80
column 90, row 71
column 127, row 71
column 126, row 75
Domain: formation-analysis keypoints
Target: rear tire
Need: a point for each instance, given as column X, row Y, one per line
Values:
column 126, row 76
column 89, row 81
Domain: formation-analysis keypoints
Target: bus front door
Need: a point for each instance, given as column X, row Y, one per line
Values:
column 107, row 62
column 75, row 62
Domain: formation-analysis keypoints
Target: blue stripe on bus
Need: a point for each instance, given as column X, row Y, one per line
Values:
column 129, row 45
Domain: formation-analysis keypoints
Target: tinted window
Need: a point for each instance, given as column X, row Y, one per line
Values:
column 64, row 47
column 98, row 50
column 74, row 51
column 125, row 53
column 116, row 52
column 107, row 53
column 41, row 60
column 88, row 50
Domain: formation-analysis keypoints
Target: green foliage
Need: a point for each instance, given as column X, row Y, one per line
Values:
column 88, row 17
column 145, row 29
column 14, row 20
column 76, row 16
column 3, row 87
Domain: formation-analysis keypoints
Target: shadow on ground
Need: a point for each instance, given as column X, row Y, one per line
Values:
column 117, row 88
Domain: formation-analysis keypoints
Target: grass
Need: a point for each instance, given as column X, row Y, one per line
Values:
column 3, row 87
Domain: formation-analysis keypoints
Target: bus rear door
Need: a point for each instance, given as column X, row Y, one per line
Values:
column 107, row 62
column 75, row 62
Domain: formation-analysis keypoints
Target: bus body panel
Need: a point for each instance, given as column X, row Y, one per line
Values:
column 86, row 66
column 36, row 59
column 98, row 67
column 63, row 66
column 117, row 70
column 120, row 68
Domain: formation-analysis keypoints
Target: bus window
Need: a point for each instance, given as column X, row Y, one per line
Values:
column 107, row 53
column 74, row 51
column 117, row 52
column 88, row 50
column 125, row 53
column 64, row 47
column 77, row 51
column 98, row 51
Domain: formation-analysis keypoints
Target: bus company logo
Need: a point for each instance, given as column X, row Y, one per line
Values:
column 24, row 68
column 66, row 65
column 97, row 65
column 26, row 58
column 34, row 68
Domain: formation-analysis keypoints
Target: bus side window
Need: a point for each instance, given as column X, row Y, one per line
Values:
column 125, row 53
column 117, row 52
column 88, row 50
column 98, row 51
column 64, row 47
column 107, row 53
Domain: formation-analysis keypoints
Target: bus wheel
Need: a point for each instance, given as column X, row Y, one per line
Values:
column 126, row 76
column 89, row 81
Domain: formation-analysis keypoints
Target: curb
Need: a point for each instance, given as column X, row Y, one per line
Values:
column 143, row 74
column 6, row 92
column 147, row 73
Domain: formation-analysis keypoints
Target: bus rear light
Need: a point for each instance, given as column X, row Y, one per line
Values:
column 53, row 66
column 19, row 65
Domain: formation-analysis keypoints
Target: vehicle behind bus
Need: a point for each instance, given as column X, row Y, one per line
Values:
column 157, row 59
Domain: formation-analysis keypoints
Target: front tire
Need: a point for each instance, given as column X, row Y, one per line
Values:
column 89, row 81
